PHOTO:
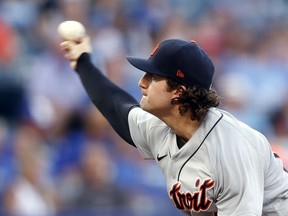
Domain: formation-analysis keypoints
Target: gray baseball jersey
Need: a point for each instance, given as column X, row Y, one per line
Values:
column 226, row 168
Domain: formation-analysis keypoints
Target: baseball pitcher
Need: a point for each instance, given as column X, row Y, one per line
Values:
column 213, row 163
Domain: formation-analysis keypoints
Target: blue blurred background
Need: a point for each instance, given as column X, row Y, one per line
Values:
column 59, row 156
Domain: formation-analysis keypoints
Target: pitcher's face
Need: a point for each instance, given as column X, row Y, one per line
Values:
column 156, row 98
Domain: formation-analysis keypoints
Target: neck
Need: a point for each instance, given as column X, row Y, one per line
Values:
column 183, row 126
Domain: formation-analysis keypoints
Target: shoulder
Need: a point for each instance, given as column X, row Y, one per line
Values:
column 147, row 131
column 231, row 126
column 233, row 136
column 146, row 124
column 139, row 116
column 232, row 140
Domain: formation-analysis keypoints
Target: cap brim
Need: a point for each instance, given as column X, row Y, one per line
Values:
column 144, row 65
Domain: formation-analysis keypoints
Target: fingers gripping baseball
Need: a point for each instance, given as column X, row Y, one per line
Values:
column 73, row 50
column 75, row 40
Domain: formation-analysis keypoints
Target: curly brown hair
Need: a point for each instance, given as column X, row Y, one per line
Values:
column 195, row 100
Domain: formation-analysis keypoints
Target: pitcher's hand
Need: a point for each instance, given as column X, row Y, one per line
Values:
column 73, row 50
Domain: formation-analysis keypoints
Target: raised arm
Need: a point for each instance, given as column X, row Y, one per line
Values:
column 112, row 101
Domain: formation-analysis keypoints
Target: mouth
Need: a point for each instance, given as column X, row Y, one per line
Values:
column 144, row 94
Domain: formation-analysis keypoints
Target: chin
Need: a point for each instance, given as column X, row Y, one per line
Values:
column 144, row 106
column 142, row 103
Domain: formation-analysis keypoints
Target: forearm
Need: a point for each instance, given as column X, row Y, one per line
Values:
column 113, row 102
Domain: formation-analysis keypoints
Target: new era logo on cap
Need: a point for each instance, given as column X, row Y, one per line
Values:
column 180, row 74
column 183, row 61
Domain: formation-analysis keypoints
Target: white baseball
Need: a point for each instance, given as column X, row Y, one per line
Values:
column 71, row 30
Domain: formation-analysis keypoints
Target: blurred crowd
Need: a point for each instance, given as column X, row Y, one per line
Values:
column 59, row 156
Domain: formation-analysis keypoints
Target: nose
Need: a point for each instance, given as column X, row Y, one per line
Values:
column 143, row 82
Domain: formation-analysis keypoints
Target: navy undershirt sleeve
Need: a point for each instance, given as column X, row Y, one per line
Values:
column 112, row 101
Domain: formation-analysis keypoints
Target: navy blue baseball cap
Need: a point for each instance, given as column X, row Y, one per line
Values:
column 183, row 61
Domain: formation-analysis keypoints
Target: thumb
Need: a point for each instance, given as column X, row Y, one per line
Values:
column 73, row 64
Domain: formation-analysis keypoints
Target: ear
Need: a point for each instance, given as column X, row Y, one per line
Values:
column 179, row 91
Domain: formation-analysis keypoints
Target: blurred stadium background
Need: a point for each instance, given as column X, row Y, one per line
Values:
column 59, row 157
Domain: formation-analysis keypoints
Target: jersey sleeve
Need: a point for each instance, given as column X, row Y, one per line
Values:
column 147, row 131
